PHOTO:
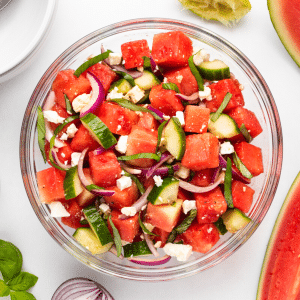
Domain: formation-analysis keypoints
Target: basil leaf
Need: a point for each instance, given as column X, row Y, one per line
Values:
column 21, row 295
column 196, row 73
column 221, row 226
column 223, row 105
column 241, row 167
column 140, row 155
column 144, row 228
column 23, row 281
column 4, row 289
column 117, row 237
column 126, row 76
column 171, row 86
column 92, row 61
column 147, row 62
column 93, row 187
column 159, row 134
column 11, row 260
column 227, row 184
column 246, row 133
column 137, row 182
column 41, row 130
column 69, row 107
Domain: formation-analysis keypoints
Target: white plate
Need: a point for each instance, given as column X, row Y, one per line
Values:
column 24, row 25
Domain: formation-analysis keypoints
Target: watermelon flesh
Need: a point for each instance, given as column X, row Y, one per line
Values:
column 280, row 273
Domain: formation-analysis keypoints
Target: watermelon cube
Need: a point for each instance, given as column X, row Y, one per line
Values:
column 76, row 215
column 196, row 119
column 203, row 177
column 242, row 196
column 147, row 121
column 161, row 236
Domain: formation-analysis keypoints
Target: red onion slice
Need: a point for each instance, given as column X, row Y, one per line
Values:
column 158, row 112
column 164, row 157
column 151, row 245
column 98, row 95
column 215, row 174
column 154, row 67
column 162, row 171
column 150, row 262
column 194, row 97
column 101, row 149
column 129, row 169
column 58, row 162
column 198, row 189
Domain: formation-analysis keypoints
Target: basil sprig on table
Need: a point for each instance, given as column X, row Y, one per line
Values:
column 15, row 282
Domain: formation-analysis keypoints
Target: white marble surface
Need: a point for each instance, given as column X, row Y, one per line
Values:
column 235, row 278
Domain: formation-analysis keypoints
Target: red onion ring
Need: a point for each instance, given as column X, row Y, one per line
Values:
column 215, row 174
column 150, row 262
column 129, row 169
column 98, row 95
column 101, row 149
column 156, row 71
column 162, row 171
column 198, row 189
column 158, row 112
column 164, row 157
column 151, row 245
column 58, row 162
column 194, row 97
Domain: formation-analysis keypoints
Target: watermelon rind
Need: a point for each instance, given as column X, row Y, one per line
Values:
column 279, row 23
column 292, row 195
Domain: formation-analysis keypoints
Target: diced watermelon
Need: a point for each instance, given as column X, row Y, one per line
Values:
column 67, row 83
column 133, row 53
column 141, row 140
column 86, row 198
column 165, row 100
column 184, row 195
column 128, row 228
column 118, row 119
column 202, row 152
column 161, row 236
column 242, row 196
column 184, row 79
column 123, row 198
column 171, row 49
column 203, row 177
column 64, row 154
column 82, row 140
column 76, row 214
column 243, row 115
column 147, row 121
column 210, row 205
column 50, row 184
column 103, row 73
column 196, row 119
column 218, row 92
column 105, row 168
column 164, row 216
column 251, row 156
column 202, row 237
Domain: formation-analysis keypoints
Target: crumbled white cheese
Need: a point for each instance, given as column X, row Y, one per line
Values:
column 158, row 180
column 226, row 148
column 114, row 94
column 75, row 158
column 122, row 144
column 188, row 205
column 64, row 137
column 135, row 94
column 166, row 118
column 71, row 130
column 58, row 210
column 80, row 102
column 165, row 80
column 180, row 116
column 53, row 117
column 183, row 172
column 157, row 244
column 104, row 208
column 124, row 182
column 180, row 251
column 206, row 94
column 140, row 69
column 179, row 78
column 128, row 211
column 149, row 226
column 115, row 58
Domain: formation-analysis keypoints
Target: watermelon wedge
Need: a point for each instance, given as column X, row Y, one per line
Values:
column 280, row 272
column 285, row 16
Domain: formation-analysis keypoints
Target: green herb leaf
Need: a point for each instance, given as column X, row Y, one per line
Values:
column 227, row 184
column 144, row 228
column 140, row 155
column 23, row 281
column 117, row 237
column 246, row 133
column 171, row 86
column 128, row 104
column 93, row 187
column 221, row 226
column 92, row 61
column 10, row 260
column 17, row 295
column 196, row 73
column 69, row 107
column 147, row 63
column 126, row 76
column 41, row 130
column 4, row 289
column 136, row 180
column 223, row 105
column 159, row 134
column 241, row 167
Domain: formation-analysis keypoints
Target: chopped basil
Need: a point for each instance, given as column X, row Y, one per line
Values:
column 144, row 228
column 171, row 86
column 92, row 61
column 223, row 105
column 69, row 107
column 227, row 184
column 241, row 167
column 41, row 132
column 159, row 134
column 196, row 73
column 93, row 187
column 126, row 76
column 136, row 181
column 147, row 62
column 140, row 155
column 117, row 237
column 246, row 133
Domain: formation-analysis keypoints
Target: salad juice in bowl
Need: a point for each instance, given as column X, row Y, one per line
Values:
column 151, row 149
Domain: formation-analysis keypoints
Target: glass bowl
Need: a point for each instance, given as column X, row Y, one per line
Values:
column 258, row 98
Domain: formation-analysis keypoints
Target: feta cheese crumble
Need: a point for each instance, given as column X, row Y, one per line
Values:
column 80, row 102
column 122, row 144
column 205, row 94
column 104, row 208
column 75, row 158
column 180, row 116
column 188, row 205
column 114, row 94
column 135, row 94
column 183, row 172
column 124, row 182
column 181, row 252
column 201, row 56
column 71, row 130
column 58, row 210
column 115, row 58
column 128, row 211
column 53, row 117
column 158, row 180
column 226, row 148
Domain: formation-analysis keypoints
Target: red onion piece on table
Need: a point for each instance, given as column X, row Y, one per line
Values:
column 98, row 95
column 150, row 262
column 164, row 157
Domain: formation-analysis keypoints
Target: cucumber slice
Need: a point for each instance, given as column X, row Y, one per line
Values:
column 98, row 225
column 98, row 130
column 87, row 238
column 122, row 85
column 225, row 127
column 166, row 193
column 72, row 184
column 136, row 249
column 235, row 220
column 214, row 70
column 175, row 138
column 147, row 80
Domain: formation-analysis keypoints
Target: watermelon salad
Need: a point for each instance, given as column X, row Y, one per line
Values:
column 149, row 149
